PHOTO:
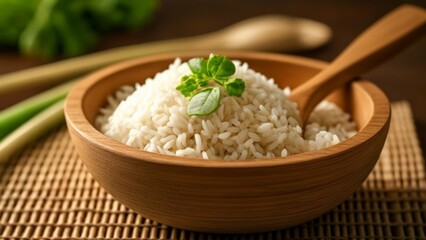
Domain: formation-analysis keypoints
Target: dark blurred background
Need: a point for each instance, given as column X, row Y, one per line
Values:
column 401, row 78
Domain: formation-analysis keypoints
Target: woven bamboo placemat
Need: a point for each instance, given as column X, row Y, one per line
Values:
column 46, row 193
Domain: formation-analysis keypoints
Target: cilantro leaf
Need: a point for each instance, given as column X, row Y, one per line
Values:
column 217, row 69
column 204, row 102
column 198, row 66
column 235, row 87
column 220, row 66
column 188, row 85
column 203, row 81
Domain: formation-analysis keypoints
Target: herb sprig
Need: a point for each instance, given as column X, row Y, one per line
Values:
column 200, row 85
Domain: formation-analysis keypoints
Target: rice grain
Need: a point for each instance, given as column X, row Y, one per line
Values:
column 261, row 123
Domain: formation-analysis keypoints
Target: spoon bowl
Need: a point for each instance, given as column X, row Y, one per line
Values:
column 269, row 33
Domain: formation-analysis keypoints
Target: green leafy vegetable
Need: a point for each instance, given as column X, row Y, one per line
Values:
column 220, row 66
column 204, row 102
column 216, row 69
column 198, row 65
column 235, row 87
column 50, row 28
column 14, row 17
column 188, row 85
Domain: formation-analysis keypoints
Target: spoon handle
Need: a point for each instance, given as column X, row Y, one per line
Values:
column 379, row 42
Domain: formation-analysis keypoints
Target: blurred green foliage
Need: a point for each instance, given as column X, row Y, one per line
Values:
column 14, row 17
column 51, row 28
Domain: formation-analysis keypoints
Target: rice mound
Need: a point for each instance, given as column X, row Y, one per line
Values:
column 262, row 123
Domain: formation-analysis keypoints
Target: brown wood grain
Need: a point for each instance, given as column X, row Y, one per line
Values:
column 382, row 40
column 228, row 196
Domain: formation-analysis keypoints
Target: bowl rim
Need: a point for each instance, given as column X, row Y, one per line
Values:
column 76, row 118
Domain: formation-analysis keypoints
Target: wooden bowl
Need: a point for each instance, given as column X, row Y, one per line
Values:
column 228, row 196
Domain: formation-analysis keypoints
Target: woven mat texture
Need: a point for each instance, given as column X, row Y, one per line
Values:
column 46, row 193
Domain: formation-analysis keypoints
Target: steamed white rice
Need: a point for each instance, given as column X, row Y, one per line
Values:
column 262, row 123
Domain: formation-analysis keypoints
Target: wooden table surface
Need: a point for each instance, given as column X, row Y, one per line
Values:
column 401, row 78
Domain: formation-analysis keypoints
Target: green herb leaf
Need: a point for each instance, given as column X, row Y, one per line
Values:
column 198, row 65
column 220, row 66
column 204, row 102
column 221, row 82
column 235, row 87
column 203, row 81
column 217, row 69
column 188, row 85
column 51, row 28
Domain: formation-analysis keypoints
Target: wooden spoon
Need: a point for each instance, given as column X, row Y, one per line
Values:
column 263, row 33
column 379, row 42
